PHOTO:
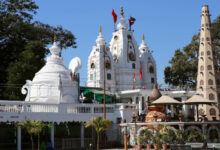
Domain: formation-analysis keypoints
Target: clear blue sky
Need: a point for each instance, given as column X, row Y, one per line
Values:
column 167, row 24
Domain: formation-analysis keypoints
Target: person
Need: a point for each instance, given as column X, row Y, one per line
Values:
column 49, row 146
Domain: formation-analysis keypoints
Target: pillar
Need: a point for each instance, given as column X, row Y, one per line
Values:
column 204, row 129
column 155, row 129
column 146, row 102
column 125, row 138
column 172, row 113
column 82, row 135
column 52, row 134
column 140, row 104
column 185, row 110
column 18, row 138
column 133, row 100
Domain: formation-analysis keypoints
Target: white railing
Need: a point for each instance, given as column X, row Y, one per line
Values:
column 33, row 107
column 17, row 111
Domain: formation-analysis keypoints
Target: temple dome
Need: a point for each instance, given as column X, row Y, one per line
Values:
column 53, row 83
column 155, row 93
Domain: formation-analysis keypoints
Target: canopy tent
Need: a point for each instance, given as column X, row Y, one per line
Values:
column 197, row 100
column 97, row 95
column 164, row 100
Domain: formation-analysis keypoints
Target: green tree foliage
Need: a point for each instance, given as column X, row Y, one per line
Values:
column 30, row 59
column 99, row 125
column 34, row 127
column 17, row 30
column 183, row 66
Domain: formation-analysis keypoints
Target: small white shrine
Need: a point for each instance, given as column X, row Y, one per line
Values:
column 54, row 83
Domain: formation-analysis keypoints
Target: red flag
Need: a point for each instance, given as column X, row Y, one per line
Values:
column 114, row 15
column 131, row 21
column 140, row 73
column 134, row 77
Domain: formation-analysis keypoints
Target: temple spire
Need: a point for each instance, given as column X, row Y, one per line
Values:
column 100, row 29
column 143, row 37
column 207, row 74
column 122, row 12
column 55, row 37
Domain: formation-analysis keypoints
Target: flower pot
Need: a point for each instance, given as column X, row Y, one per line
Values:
column 164, row 146
column 148, row 146
column 156, row 146
column 137, row 146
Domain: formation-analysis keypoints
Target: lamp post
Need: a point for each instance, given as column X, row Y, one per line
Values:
column 104, row 111
column 125, row 138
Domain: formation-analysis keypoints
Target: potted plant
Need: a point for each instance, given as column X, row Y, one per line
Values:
column 195, row 139
column 180, row 137
column 157, row 139
column 140, row 141
column 149, row 136
column 167, row 136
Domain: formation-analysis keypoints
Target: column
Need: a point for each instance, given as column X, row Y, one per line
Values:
column 133, row 100
column 172, row 113
column 185, row 108
column 146, row 102
column 140, row 104
column 155, row 130
column 18, row 138
column 204, row 129
column 52, row 134
column 82, row 135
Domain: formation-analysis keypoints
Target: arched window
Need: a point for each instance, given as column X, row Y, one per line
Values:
column 208, row 52
column 201, row 68
column 129, row 37
column 151, row 69
column 202, row 53
column 92, row 66
column 210, row 82
column 211, row 96
column 116, row 37
column 209, row 67
column 107, row 65
column 201, row 82
column 212, row 112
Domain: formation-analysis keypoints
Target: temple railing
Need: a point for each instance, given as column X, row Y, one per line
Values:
column 21, row 110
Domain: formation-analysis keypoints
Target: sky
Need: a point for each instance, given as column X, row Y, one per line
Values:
column 166, row 24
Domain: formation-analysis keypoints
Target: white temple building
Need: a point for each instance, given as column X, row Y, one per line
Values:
column 54, row 83
column 127, row 67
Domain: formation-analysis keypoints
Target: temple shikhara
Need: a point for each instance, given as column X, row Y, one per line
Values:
column 128, row 66
column 122, row 85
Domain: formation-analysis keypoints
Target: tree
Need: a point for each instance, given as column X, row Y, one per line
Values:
column 99, row 125
column 17, row 30
column 28, row 64
column 34, row 127
column 183, row 66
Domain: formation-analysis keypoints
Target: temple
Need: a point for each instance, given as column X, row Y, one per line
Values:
column 133, row 101
column 127, row 65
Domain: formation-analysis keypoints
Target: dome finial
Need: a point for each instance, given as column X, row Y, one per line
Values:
column 55, row 37
column 122, row 12
column 143, row 37
column 100, row 29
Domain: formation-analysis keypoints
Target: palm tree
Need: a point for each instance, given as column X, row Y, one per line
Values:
column 33, row 127
column 99, row 125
